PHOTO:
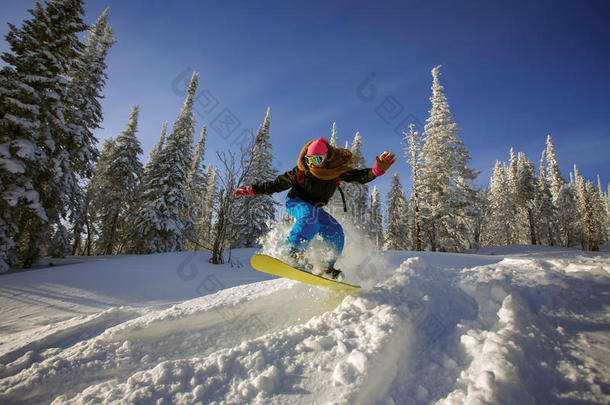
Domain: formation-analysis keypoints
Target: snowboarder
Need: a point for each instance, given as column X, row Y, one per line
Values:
column 320, row 168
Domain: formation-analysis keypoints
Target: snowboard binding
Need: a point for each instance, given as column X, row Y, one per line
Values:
column 333, row 273
column 301, row 263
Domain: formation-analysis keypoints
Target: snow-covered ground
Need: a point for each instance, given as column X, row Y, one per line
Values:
column 507, row 325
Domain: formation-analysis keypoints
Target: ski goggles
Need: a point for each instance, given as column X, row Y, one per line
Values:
column 315, row 159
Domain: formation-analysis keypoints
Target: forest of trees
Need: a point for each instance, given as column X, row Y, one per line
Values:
column 60, row 195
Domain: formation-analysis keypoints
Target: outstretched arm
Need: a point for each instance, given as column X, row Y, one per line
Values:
column 281, row 183
column 382, row 164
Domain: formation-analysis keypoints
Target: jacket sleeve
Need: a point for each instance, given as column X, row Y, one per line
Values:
column 358, row 176
column 281, row 183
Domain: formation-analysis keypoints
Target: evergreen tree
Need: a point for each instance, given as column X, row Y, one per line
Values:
column 497, row 230
column 607, row 201
column 376, row 219
column 479, row 216
column 120, row 187
column 195, row 175
column 205, row 222
column 397, row 235
column 196, row 190
column 39, row 165
column 149, row 195
column 598, row 214
column 358, row 194
column 516, row 225
column 555, row 179
column 470, row 206
column 590, row 213
column 126, row 174
column 545, row 213
column 525, row 198
column 335, row 204
column 162, row 219
column 588, row 210
column 414, row 141
column 157, row 148
column 59, row 245
column 567, row 215
column 99, row 193
column 87, row 78
column 445, row 176
column 255, row 213
column 333, row 135
column 603, row 201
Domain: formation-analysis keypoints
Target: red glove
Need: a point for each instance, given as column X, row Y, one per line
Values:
column 383, row 163
column 244, row 191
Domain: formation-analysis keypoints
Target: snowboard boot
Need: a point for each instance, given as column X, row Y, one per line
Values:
column 298, row 260
column 333, row 273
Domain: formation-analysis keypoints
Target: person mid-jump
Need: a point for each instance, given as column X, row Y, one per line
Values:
column 320, row 168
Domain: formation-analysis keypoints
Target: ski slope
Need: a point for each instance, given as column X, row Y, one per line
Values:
column 508, row 325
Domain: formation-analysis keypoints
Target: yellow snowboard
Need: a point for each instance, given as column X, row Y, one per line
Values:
column 271, row 265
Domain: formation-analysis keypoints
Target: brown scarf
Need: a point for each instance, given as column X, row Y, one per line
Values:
column 338, row 161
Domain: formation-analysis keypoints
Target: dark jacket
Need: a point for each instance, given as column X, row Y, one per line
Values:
column 310, row 188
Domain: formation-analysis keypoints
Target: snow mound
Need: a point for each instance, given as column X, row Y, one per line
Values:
column 428, row 328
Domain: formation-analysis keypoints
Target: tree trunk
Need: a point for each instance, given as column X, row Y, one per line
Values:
column 530, row 216
column 417, row 226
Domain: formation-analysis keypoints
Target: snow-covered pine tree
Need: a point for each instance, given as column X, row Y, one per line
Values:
column 603, row 198
column 500, row 210
column 397, row 234
column 335, row 204
column 510, row 172
column 525, row 198
column 205, row 222
column 445, row 166
column 607, row 207
column 545, row 213
column 157, row 148
column 599, row 213
column 87, row 78
column 99, row 194
column 162, row 218
column 333, row 135
column 149, row 194
column 143, row 237
column 568, row 229
column 479, row 216
column 414, row 158
column 554, row 177
column 471, row 207
column 358, row 194
column 60, row 246
column 590, row 212
column 254, row 214
column 607, row 202
column 196, row 190
column 36, row 170
column 376, row 219
column 120, row 188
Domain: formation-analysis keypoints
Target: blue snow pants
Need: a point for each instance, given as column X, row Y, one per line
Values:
column 312, row 220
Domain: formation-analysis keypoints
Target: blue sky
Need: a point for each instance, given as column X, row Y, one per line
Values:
column 513, row 73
